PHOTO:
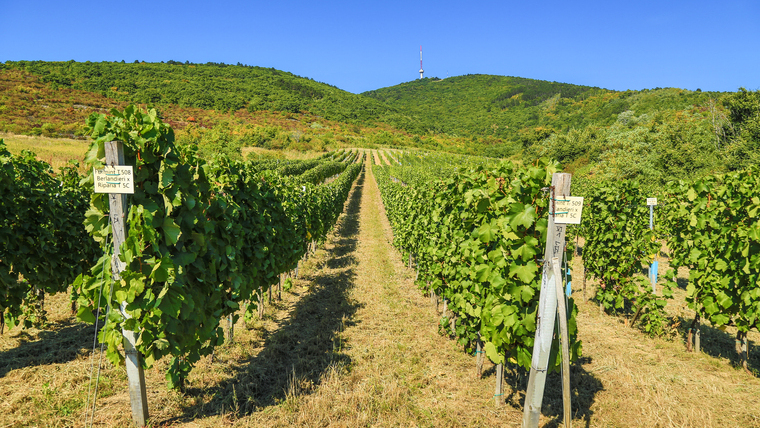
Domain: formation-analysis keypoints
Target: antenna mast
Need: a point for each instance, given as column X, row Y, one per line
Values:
column 421, row 71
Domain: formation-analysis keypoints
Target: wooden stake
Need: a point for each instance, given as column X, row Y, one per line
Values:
column 742, row 349
column 584, row 283
column 230, row 328
column 135, row 375
column 41, row 299
column 690, row 335
column 479, row 357
column 547, row 307
column 261, row 304
column 745, row 352
column 498, row 395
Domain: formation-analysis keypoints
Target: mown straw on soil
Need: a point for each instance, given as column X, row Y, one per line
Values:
column 355, row 343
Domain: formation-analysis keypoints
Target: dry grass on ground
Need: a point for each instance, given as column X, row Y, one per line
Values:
column 297, row 342
column 252, row 152
column 376, row 157
column 58, row 151
column 55, row 151
column 356, row 344
column 646, row 381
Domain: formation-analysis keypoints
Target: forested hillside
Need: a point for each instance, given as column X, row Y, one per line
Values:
column 505, row 107
column 31, row 106
column 221, row 87
column 654, row 135
column 486, row 105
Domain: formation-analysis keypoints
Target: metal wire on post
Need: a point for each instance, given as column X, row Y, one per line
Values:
column 89, row 415
column 100, row 357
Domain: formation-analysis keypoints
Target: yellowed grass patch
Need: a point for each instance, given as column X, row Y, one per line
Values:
column 55, row 151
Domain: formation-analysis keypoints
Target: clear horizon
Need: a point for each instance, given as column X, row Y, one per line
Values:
column 361, row 47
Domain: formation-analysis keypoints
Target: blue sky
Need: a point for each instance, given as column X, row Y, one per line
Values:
column 359, row 46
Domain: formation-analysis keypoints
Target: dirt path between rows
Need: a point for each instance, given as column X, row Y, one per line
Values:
column 394, row 368
column 361, row 348
column 355, row 344
column 401, row 372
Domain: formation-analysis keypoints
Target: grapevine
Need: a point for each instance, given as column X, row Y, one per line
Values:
column 203, row 238
column 618, row 244
column 476, row 235
column 42, row 239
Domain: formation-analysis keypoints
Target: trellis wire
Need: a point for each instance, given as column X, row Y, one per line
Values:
column 89, row 414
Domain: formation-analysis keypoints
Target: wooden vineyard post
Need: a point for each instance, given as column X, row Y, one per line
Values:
column 742, row 348
column 261, row 304
column 498, row 395
column 230, row 328
column 135, row 375
column 479, row 357
column 584, row 281
column 547, row 306
column 654, row 266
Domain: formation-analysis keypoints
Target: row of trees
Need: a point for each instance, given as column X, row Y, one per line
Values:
column 655, row 148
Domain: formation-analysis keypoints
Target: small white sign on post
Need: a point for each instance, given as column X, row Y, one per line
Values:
column 568, row 209
column 114, row 179
column 651, row 201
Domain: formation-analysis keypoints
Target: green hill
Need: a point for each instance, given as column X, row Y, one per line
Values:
column 653, row 135
column 480, row 106
column 221, row 87
column 503, row 106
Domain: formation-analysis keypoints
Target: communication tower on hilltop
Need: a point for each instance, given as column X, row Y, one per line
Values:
column 421, row 71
